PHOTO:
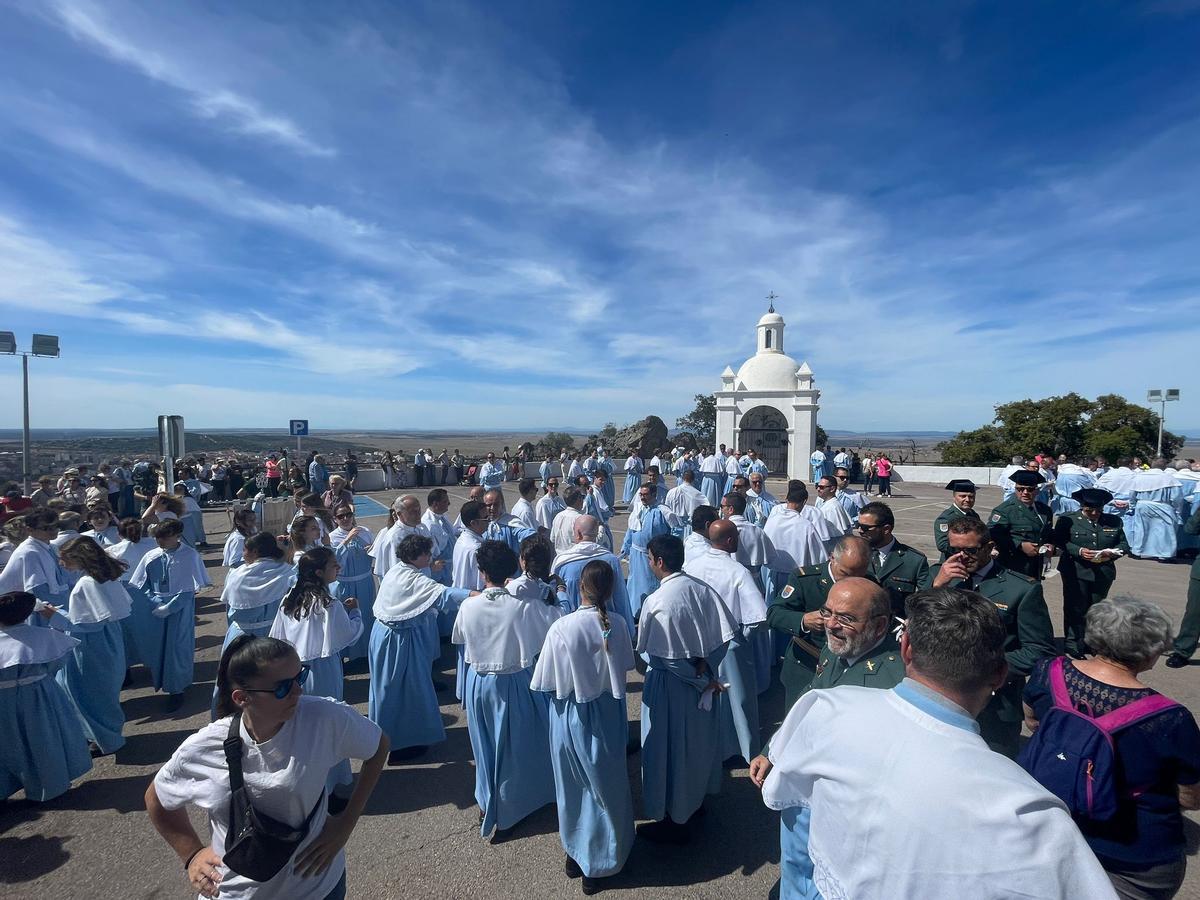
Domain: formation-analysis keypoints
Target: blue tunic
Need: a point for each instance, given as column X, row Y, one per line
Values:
column 357, row 579
column 711, row 485
column 633, row 481
column 509, row 726
column 193, row 528
column 681, row 743
column 738, row 706
column 170, row 650
column 641, row 582
column 1152, row 525
column 402, row 698
column 43, row 749
column 595, row 806
column 609, row 490
column 572, row 574
column 137, row 627
column 92, row 675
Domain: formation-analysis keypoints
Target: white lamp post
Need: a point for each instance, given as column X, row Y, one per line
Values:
column 43, row 345
column 1162, row 397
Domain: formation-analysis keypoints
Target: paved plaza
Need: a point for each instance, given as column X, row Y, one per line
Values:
column 419, row 836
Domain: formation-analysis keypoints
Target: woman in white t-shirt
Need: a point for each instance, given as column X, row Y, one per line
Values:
column 289, row 742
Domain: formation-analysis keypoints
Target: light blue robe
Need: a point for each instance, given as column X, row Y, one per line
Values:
column 633, row 479
column 1066, row 484
column 509, row 727
column 170, row 651
column 1190, row 502
column 610, row 483
column 681, row 743
column 641, row 582
column 91, row 675
column 820, row 467
column 43, row 748
column 138, row 626
column 572, row 574
column 1152, row 525
column 402, row 698
column 595, row 806
column 711, row 487
column 510, row 533
column 357, row 579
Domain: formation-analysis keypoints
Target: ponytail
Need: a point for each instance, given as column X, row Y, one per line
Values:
column 245, row 657
column 596, row 583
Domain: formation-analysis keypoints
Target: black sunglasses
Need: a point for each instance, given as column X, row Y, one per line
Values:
column 283, row 688
column 863, row 526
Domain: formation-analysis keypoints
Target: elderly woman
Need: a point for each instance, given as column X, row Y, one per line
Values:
column 337, row 494
column 1141, row 847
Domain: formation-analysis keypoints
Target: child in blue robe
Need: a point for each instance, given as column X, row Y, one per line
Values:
column 34, row 566
column 43, row 748
column 320, row 628
column 192, row 517
column 138, row 626
column 404, row 644
column 583, row 666
column 95, row 670
column 350, row 543
column 508, row 723
column 171, row 576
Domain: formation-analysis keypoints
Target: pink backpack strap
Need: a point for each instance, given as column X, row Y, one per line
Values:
column 1134, row 712
column 1058, row 685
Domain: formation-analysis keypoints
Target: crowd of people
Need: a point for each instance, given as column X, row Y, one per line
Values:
column 718, row 589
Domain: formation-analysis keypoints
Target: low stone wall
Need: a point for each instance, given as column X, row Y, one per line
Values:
column 981, row 475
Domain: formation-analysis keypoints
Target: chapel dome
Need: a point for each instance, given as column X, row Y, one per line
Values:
column 771, row 318
column 767, row 371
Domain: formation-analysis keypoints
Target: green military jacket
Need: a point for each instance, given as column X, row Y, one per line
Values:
column 878, row 668
column 1013, row 523
column 804, row 592
column 941, row 527
column 1073, row 533
column 1022, row 607
column 902, row 574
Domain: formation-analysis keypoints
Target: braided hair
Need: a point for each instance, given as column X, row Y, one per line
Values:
column 596, row 584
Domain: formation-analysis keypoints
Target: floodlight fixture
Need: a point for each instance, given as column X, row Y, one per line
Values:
column 45, row 345
column 8, row 343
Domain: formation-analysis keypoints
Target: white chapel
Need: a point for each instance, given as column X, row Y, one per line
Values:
column 770, row 405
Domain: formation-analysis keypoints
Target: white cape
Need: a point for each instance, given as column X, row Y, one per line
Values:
column 577, row 551
column 185, row 569
column 130, row 553
column 32, row 563
column 256, row 584
column 29, row 645
column 733, row 584
column 794, row 541
column 574, row 662
column 320, row 634
column 502, row 634
column 405, row 593
column 95, row 601
column 684, row 619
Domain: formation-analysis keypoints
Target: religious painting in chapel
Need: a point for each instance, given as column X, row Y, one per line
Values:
column 764, row 430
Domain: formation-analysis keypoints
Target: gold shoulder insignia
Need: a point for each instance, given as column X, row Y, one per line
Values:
column 870, row 665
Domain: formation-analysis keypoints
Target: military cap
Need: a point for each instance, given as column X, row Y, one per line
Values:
column 961, row 484
column 1026, row 478
column 1096, row 498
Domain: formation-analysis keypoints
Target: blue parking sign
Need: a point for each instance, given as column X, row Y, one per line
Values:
column 299, row 427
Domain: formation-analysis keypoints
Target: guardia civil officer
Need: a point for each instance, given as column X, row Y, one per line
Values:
column 901, row 569
column 796, row 612
column 1021, row 526
column 1091, row 542
column 963, row 505
column 1022, row 607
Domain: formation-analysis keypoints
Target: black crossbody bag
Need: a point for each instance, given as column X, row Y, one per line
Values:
column 257, row 846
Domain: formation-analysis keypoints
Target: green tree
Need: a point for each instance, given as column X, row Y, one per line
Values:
column 701, row 421
column 981, row 447
column 822, row 438
column 1119, row 428
column 1056, row 424
column 554, row 441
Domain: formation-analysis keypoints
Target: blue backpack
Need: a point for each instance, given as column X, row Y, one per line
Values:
column 1072, row 754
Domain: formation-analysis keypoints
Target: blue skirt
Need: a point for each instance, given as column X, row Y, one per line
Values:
column 509, row 726
column 595, row 806
column 711, row 484
column 641, row 582
column 632, row 484
column 681, row 759
column 92, row 678
column 738, row 706
column 326, row 679
column 137, row 627
column 43, row 749
column 170, row 652
column 402, row 700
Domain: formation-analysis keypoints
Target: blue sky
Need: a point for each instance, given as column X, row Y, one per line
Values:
column 447, row 215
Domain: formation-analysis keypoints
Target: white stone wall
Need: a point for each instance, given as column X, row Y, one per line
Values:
column 981, row 475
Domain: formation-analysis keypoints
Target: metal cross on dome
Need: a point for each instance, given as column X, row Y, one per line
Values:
column 772, row 297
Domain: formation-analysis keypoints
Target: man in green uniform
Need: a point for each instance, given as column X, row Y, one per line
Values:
column 963, row 505
column 1091, row 542
column 859, row 647
column 796, row 612
column 1018, row 599
column 1189, row 628
column 1021, row 526
column 899, row 568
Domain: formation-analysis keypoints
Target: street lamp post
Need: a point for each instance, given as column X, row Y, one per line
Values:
column 1161, row 397
column 43, row 345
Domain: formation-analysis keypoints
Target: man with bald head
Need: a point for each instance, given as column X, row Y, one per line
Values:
column 859, row 647
column 569, row 564
column 796, row 612
column 503, row 526
column 406, row 520
column 738, row 706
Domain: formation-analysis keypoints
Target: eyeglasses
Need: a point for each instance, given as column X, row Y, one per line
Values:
column 283, row 688
column 842, row 477
column 551, row 484
column 841, row 618
column 975, row 549
column 345, row 515
column 863, row 526
column 1022, row 489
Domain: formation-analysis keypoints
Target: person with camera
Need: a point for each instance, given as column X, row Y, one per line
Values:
column 277, row 746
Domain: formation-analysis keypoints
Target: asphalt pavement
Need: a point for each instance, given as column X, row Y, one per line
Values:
column 419, row 836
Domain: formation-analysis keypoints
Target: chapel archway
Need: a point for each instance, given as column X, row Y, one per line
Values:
column 765, row 431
